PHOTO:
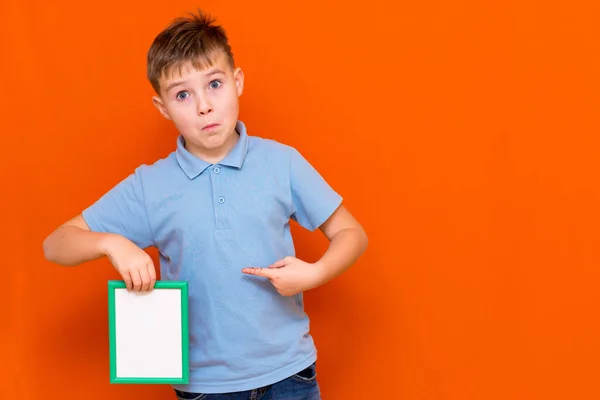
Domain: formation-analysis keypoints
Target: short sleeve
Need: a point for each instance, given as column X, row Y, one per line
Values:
column 122, row 211
column 313, row 199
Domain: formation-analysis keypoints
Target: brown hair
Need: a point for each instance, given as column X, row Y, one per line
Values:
column 192, row 39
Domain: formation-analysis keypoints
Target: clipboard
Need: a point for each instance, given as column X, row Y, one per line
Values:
column 148, row 334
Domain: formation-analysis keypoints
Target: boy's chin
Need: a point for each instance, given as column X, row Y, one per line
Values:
column 215, row 144
column 209, row 141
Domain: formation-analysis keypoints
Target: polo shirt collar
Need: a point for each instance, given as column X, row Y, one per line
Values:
column 194, row 166
column 237, row 155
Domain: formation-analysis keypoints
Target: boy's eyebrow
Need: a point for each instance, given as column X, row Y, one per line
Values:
column 214, row 72
column 209, row 73
column 172, row 85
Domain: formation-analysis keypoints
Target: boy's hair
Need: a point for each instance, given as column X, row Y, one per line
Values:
column 192, row 39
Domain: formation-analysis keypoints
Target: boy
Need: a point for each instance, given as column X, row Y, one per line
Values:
column 218, row 208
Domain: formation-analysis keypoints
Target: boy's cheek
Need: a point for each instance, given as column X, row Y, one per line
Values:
column 182, row 117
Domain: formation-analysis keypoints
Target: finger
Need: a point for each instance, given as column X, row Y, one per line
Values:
column 127, row 279
column 145, row 276
column 258, row 272
column 152, row 272
column 279, row 264
column 136, row 279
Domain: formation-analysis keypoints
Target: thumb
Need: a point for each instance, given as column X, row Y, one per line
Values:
column 279, row 264
column 264, row 272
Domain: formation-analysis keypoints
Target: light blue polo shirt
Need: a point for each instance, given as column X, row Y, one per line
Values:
column 209, row 221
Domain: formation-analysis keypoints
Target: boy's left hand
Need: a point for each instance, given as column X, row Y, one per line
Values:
column 290, row 275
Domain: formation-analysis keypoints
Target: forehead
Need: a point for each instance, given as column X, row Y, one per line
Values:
column 196, row 68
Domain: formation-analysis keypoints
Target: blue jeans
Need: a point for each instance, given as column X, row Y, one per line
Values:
column 301, row 386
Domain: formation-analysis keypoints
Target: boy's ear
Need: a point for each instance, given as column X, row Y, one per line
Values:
column 239, row 80
column 161, row 107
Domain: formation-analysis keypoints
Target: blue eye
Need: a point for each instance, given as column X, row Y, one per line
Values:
column 182, row 95
column 215, row 84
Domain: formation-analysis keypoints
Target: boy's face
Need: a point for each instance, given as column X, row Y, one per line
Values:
column 203, row 105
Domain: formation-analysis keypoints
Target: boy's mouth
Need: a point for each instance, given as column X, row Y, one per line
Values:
column 209, row 127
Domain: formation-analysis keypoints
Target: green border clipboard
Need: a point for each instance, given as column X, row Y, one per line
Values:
column 183, row 286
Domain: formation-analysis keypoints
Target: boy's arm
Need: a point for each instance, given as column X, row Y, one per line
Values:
column 348, row 241
column 73, row 243
column 314, row 201
column 117, row 226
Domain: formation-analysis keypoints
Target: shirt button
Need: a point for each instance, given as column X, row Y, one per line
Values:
column 217, row 170
column 221, row 200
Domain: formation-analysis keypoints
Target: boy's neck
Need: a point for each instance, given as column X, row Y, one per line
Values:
column 214, row 156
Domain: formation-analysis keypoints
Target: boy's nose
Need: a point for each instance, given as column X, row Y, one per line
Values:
column 204, row 108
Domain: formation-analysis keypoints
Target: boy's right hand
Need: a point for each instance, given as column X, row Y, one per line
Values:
column 134, row 264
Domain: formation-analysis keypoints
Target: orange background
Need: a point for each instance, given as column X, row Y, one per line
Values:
column 462, row 134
